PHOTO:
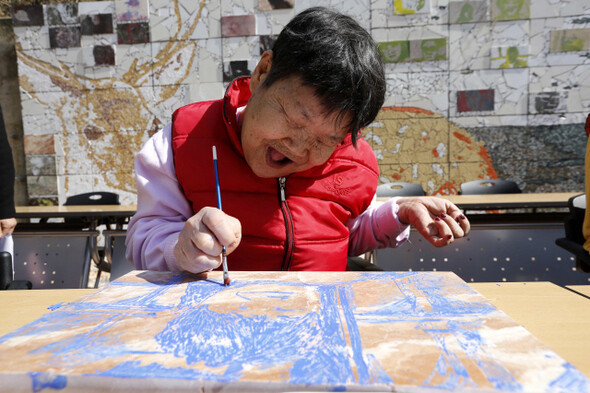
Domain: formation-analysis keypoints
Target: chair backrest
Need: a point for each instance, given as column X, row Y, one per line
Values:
column 93, row 198
column 90, row 198
column 574, row 221
column 53, row 259
column 489, row 186
column 400, row 189
column 115, row 253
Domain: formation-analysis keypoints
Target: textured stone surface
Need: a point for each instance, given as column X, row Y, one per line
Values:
column 101, row 115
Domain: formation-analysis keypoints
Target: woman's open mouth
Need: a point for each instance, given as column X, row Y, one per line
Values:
column 276, row 159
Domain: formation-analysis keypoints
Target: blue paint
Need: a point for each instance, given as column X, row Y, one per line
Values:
column 571, row 380
column 54, row 307
column 269, row 294
column 40, row 381
column 318, row 348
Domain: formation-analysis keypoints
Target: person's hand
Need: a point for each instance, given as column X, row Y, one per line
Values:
column 7, row 226
column 199, row 243
column 437, row 219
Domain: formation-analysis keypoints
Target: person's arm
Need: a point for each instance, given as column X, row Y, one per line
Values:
column 7, row 212
column 377, row 227
column 386, row 225
column 162, row 208
column 164, row 234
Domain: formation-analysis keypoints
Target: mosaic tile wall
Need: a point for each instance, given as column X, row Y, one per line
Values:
column 476, row 89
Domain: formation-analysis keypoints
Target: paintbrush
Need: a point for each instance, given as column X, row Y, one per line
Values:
column 226, row 279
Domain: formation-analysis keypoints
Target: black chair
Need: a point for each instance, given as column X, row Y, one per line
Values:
column 93, row 199
column 489, row 186
column 7, row 273
column 114, row 253
column 400, row 189
column 574, row 238
column 53, row 259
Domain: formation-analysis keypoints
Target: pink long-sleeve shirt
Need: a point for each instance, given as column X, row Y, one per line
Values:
column 162, row 211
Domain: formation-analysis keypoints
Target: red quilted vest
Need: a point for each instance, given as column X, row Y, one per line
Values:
column 298, row 227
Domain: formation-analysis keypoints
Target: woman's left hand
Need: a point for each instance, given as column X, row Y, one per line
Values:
column 437, row 219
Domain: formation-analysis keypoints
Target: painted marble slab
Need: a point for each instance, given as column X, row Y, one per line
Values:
column 287, row 331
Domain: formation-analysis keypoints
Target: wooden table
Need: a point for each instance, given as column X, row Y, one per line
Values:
column 557, row 317
column 22, row 306
column 509, row 201
column 88, row 211
column 584, row 290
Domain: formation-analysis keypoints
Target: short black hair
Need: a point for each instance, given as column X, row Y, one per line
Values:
column 331, row 53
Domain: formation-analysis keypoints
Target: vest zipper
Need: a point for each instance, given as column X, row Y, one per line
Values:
column 290, row 230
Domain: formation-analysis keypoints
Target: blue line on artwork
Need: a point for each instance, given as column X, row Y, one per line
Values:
column 269, row 294
column 571, row 380
column 54, row 307
column 41, row 381
column 499, row 376
column 311, row 345
column 353, row 334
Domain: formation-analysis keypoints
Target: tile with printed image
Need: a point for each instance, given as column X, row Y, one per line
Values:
column 98, row 55
column 237, row 68
column 509, row 57
column 570, row 40
column 131, row 10
column 394, row 51
column 27, row 15
column 475, row 100
column 510, row 9
column 269, row 5
column 510, row 93
column 133, row 33
column 42, row 164
column 548, row 102
column 239, row 25
column 61, row 14
column 408, row 7
column 96, row 24
column 467, row 11
column 64, row 37
column 429, row 49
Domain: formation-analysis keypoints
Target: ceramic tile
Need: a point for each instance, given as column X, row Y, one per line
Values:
column 27, row 15
column 131, row 11
column 509, row 57
column 469, row 46
column 39, row 144
column 133, row 33
column 269, row 23
column 61, row 14
column 503, row 10
column 96, row 24
column 42, row 186
column 206, row 91
column 37, row 165
column 467, row 11
column 238, row 25
column 271, row 5
column 177, row 62
column 96, row 7
column 28, row 38
column 383, row 14
column 509, row 87
column 240, row 48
